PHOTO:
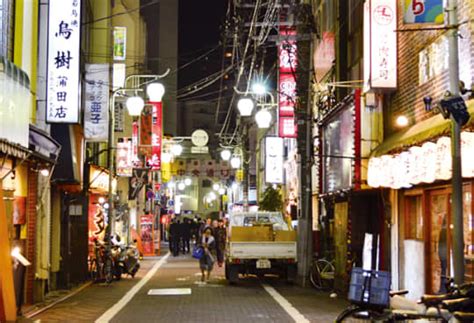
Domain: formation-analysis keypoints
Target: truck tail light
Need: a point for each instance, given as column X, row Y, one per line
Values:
column 291, row 261
column 236, row 261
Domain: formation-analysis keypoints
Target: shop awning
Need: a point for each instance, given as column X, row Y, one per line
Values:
column 13, row 150
column 420, row 132
column 43, row 145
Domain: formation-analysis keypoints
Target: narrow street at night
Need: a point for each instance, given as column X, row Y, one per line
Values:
column 216, row 301
column 236, row 161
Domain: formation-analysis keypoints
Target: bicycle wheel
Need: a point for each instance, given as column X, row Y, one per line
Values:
column 322, row 275
column 108, row 271
column 347, row 313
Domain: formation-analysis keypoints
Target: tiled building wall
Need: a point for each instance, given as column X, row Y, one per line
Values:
column 408, row 99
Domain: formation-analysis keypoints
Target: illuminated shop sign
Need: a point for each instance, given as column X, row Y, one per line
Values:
column 274, row 160
column 63, row 61
column 96, row 110
column 380, row 51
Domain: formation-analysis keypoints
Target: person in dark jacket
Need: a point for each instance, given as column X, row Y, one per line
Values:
column 221, row 240
column 185, row 235
column 174, row 237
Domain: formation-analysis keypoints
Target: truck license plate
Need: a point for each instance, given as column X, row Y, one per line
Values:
column 264, row 263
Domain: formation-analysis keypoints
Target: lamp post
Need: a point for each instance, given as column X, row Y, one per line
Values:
column 134, row 104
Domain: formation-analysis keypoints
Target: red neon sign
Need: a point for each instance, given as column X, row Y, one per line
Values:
column 156, row 135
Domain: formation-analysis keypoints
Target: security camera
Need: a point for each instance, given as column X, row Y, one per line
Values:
column 428, row 101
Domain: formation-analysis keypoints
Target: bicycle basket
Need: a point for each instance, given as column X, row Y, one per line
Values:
column 370, row 287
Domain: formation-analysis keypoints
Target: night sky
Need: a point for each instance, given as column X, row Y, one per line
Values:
column 199, row 30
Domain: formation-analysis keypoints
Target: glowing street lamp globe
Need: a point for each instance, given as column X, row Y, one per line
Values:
column 155, row 91
column 135, row 106
column 263, row 118
column 215, row 186
column 259, row 88
column 188, row 181
column 245, row 106
column 235, row 162
column 181, row 186
column 226, row 154
column 176, row 149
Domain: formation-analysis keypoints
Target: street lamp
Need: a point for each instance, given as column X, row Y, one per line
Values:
column 259, row 88
column 215, row 186
column 226, row 154
column 176, row 149
column 263, row 118
column 245, row 106
column 155, row 91
column 235, row 162
column 135, row 106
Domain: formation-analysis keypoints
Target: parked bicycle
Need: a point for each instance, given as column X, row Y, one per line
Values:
column 322, row 274
column 371, row 299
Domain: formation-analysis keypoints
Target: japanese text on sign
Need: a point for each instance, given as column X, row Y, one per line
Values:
column 96, row 107
column 63, row 61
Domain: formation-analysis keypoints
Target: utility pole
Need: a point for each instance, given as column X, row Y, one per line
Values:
column 456, row 182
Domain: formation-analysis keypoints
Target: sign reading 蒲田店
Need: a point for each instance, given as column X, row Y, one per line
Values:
column 63, row 61
column 96, row 112
column 423, row 11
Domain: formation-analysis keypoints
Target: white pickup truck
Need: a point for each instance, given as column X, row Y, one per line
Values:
column 260, row 243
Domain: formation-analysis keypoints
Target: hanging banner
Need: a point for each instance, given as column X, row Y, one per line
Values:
column 63, row 61
column 274, row 160
column 380, row 24
column 136, row 182
column 146, row 234
column 120, row 43
column 135, row 159
column 287, row 52
column 423, row 11
column 96, row 112
column 156, row 135
column 145, row 132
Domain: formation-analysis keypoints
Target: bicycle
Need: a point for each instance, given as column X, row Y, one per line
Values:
column 322, row 274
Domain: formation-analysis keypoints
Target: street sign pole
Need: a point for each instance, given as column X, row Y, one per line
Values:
column 456, row 194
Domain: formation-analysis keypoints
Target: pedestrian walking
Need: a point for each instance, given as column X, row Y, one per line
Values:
column 221, row 240
column 206, row 263
column 174, row 238
column 185, row 235
column 204, row 226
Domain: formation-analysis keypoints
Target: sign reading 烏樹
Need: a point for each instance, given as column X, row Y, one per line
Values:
column 63, row 61
column 423, row 12
column 96, row 112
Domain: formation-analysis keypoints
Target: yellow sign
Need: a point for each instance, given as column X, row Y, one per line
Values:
column 239, row 175
column 99, row 180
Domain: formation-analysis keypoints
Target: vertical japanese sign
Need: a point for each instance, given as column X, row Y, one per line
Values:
column 380, row 31
column 96, row 116
column 156, row 135
column 135, row 160
column 120, row 43
column 124, row 157
column 287, row 83
column 274, row 160
column 63, row 61
column 423, row 11
column 146, row 234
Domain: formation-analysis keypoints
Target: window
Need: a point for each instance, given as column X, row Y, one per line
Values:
column 413, row 218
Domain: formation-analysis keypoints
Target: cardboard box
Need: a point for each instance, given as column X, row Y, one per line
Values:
column 256, row 233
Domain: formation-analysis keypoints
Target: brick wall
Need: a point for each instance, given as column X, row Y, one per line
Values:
column 408, row 99
column 31, row 234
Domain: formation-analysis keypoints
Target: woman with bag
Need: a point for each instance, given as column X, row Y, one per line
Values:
column 206, row 262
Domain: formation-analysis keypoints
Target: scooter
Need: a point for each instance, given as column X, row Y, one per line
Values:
column 129, row 262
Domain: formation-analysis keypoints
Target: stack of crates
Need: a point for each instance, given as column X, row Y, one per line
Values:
column 370, row 287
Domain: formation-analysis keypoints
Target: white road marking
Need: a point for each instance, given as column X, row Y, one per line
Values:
column 111, row 312
column 293, row 312
column 169, row 291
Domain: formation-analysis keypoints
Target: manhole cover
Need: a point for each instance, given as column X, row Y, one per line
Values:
column 170, row 291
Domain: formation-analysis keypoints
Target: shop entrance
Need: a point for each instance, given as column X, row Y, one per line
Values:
column 439, row 231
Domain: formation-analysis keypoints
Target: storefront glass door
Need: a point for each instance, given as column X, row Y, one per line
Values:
column 440, row 230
